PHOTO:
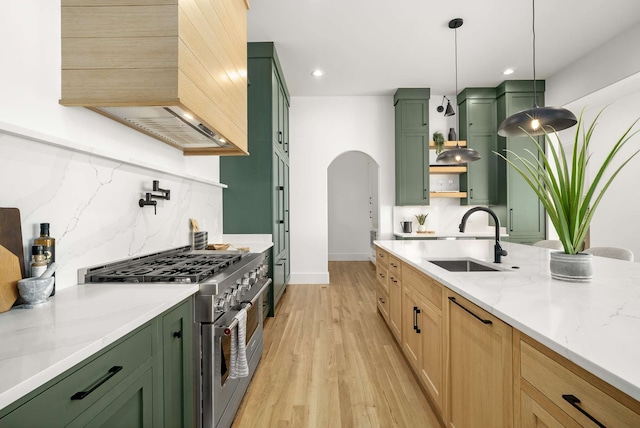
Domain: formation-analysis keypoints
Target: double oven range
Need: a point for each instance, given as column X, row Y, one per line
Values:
column 229, row 281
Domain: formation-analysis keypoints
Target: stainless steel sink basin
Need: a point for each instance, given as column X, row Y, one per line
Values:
column 465, row 265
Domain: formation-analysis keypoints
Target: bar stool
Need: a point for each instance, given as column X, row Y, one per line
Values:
column 611, row 252
column 549, row 243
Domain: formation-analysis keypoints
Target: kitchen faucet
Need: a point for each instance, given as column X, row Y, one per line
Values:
column 498, row 252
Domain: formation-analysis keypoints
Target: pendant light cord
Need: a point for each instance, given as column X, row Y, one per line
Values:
column 533, row 30
column 455, row 32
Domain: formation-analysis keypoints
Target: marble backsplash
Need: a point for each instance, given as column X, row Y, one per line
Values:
column 91, row 203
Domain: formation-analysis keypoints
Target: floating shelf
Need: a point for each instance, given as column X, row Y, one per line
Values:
column 432, row 144
column 447, row 169
column 448, row 194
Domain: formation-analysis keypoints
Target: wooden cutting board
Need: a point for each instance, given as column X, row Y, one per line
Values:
column 11, row 234
column 9, row 276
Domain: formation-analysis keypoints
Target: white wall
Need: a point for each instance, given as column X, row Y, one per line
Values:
column 348, row 206
column 82, row 172
column 322, row 128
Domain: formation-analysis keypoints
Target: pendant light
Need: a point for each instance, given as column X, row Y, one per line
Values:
column 457, row 154
column 536, row 120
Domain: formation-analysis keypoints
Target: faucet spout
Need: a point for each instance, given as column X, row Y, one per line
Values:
column 498, row 252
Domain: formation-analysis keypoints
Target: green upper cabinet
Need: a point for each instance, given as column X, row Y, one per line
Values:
column 477, row 124
column 412, row 146
column 519, row 208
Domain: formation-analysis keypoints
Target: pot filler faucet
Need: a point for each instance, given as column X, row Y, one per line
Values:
column 498, row 252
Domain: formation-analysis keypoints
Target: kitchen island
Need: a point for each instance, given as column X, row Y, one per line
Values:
column 41, row 344
column 594, row 325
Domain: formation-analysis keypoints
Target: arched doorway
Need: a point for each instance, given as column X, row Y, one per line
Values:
column 352, row 193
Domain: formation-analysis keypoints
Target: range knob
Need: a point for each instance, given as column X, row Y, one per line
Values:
column 220, row 304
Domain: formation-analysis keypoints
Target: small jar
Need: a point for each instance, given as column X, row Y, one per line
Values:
column 38, row 261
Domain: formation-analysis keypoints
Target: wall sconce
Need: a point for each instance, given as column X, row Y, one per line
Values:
column 449, row 111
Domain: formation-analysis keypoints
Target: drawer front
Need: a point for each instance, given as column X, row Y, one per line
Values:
column 395, row 267
column 382, row 257
column 383, row 302
column 87, row 384
column 555, row 381
column 421, row 283
column 383, row 277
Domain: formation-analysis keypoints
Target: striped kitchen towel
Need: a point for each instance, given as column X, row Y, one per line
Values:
column 239, row 366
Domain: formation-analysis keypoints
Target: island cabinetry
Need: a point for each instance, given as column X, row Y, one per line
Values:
column 555, row 392
column 382, row 283
column 395, row 297
column 423, row 334
column 477, row 109
column 412, row 146
column 480, row 381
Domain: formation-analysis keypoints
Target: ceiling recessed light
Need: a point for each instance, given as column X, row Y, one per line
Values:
column 508, row 71
column 317, row 73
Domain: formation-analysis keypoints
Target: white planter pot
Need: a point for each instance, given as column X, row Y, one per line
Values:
column 571, row 267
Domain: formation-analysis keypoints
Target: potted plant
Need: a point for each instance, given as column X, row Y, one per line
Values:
column 569, row 199
column 438, row 139
column 421, row 219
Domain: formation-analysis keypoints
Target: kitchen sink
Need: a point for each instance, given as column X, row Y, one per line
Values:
column 465, row 265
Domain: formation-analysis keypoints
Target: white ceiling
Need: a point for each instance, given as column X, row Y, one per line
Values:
column 373, row 47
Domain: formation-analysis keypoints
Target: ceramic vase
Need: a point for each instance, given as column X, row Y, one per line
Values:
column 452, row 135
column 571, row 267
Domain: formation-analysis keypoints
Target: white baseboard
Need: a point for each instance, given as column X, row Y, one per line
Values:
column 349, row 257
column 309, row 278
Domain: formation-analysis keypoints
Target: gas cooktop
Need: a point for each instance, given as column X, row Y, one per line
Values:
column 180, row 265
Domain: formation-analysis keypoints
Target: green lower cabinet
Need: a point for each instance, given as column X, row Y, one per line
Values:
column 144, row 379
column 177, row 366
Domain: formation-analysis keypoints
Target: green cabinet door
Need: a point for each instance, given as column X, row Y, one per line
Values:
column 130, row 406
column 412, row 146
column 412, row 169
column 520, row 209
column 477, row 115
column 177, row 366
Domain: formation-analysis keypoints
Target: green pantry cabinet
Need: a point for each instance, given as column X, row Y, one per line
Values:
column 412, row 145
column 257, row 199
column 517, row 206
column 144, row 379
column 477, row 126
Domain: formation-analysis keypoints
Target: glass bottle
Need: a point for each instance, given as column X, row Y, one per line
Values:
column 48, row 245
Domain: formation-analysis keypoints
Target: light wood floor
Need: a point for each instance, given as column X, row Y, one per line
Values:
column 330, row 361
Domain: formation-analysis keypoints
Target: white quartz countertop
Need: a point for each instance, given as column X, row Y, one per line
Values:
column 37, row 345
column 596, row 325
column 472, row 234
column 255, row 242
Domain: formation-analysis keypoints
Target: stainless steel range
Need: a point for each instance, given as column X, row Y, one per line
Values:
column 229, row 282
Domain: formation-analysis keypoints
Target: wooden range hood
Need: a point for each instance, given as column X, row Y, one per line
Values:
column 172, row 69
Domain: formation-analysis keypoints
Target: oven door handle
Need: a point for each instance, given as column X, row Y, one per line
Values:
column 226, row 330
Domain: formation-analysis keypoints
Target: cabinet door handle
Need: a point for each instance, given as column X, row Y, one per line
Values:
column 415, row 317
column 111, row 373
column 471, row 193
column 382, row 300
column 425, row 194
column 453, row 299
column 574, row 401
column 417, row 327
column 280, row 137
column 177, row 334
column 510, row 219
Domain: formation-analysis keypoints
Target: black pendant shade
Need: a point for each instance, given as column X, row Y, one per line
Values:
column 537, row 121
column 458, row 155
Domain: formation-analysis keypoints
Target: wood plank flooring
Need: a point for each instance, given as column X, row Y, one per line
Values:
column 330, row 361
